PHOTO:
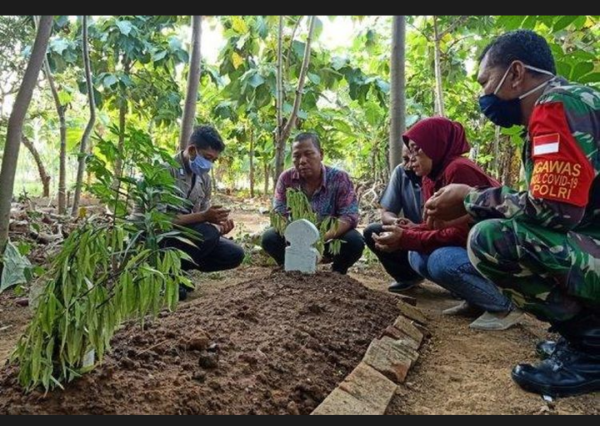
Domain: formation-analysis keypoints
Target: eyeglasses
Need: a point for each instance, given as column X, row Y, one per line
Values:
column 414, row 151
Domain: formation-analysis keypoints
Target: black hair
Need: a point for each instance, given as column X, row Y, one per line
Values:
column 522, row 45
column 205, row 137
column 309, row 136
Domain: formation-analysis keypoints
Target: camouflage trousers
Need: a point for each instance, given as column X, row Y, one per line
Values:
column 554, row 276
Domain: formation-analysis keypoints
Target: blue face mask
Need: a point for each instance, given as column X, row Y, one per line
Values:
column 507, row 113
column 200, row 165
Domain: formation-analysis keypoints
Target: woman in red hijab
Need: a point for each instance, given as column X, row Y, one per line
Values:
column 438, row 251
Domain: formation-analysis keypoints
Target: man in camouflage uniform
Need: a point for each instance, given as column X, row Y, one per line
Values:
column 541, row 246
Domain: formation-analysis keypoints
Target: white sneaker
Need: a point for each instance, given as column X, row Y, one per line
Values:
column 492, row 321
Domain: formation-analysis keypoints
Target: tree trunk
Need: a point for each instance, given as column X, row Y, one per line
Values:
column 267, row 173
column 121, row 143
column 251, row 163
column 189, row 112
column 122, row 125
column 279, row 144
column 15, row 124
column 397, row 93
column 62, row 171
column 374, row 163
column 45, row 178
column 91, row 121
column 289, row 52
column 439, row 95
column 291, row 123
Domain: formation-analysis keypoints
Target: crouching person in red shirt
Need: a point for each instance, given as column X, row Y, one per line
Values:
column 437, row 251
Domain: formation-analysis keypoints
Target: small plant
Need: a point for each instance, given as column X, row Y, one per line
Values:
column 109, row 270
column 299, row 208
column 24, row 197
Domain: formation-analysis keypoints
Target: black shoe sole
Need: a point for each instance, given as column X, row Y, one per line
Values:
column 556, row 391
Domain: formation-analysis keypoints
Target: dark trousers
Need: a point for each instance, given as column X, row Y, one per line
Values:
column 210, row 252
column 353, row 246
column 396, row 264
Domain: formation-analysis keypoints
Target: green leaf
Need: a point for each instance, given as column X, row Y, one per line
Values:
column 510, row 22
column 548, row 20
column 580, row 22
column 314, row 78
column 59, row 45
column 184, row 256
column 64, row 97
column 74, row 137
column 512, row 131
column 373, row 114
column 581, row 69
column 175, row 43
column 186, row 241
column 62, row 21
column 583, row 55
column 256, row 80
column 299, row 47
column 15, row 265
column 383, row 85
column 563, row 68
column 24, row 248
column 591, row 78
column 338, row 62
column 126, row 80
column 563, row 22
column 109, row 80
column 262, row 28
column 529, row 22
column 124, row 26
column 159, row 55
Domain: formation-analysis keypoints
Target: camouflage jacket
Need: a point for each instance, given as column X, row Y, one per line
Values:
column 562, row 165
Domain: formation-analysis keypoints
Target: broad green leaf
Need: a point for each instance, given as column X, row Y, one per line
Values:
column 563, row 22
column 125, row 27
column 14, row 267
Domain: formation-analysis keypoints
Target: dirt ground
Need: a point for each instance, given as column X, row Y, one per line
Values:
column 13, row 320
column 460, row 371
column 276, row 345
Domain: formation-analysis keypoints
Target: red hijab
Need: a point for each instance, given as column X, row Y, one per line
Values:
column 444, row 141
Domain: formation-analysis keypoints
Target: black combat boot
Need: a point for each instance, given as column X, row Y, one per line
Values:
column 574, row 366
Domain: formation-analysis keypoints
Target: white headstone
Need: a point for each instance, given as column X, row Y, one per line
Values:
column 301, row 255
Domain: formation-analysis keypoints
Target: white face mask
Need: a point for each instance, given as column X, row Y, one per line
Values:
column 529, row 67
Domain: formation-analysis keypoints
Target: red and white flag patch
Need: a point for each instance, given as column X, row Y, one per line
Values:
column 546, row 144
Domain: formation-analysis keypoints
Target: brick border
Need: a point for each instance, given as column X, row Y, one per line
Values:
column 370, row 387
